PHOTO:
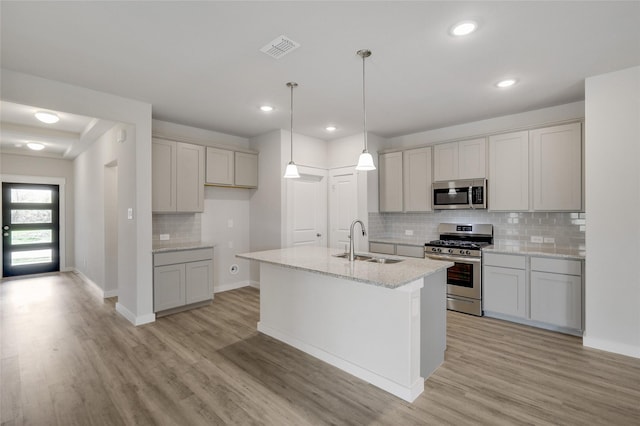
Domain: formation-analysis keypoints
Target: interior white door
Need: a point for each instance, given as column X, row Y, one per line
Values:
column 307, row 208
column 343, row 205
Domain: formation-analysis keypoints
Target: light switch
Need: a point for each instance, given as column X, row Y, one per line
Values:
column 230, row 223
column 164, row 237
column 130, row 213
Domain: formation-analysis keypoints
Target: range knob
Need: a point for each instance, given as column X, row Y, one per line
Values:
column 450, row 251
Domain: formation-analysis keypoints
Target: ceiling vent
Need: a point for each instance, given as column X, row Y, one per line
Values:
column 280, row 46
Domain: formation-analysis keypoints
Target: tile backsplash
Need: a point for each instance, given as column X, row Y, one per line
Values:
column 567, row 229
column 182, row 227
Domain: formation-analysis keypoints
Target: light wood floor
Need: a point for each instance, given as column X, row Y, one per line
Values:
column 69, row 359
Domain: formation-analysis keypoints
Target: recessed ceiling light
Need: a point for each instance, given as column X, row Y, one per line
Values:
column 506, row 83
column 47, row 117
column 331, row 128
column 463, row 28
column 35, row 146
column 266, row 108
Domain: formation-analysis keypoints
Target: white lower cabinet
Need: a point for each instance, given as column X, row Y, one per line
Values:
column 505, row 291
column 538, row 291
column 182, row 278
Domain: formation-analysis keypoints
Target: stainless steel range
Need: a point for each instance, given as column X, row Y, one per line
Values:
column 462, row 244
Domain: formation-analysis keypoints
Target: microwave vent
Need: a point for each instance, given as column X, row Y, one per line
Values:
column 279, row 47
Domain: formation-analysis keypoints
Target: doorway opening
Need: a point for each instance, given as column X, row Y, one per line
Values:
column 30, row 228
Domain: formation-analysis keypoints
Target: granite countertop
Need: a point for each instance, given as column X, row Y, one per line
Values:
column 321, row 260
column 535, row 250
column 166, row 247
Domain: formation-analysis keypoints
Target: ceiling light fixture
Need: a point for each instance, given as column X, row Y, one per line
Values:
column 35, row 146
column 365, row 161
column 506, row 83
column 331, row 128
column 463, row 28
column 266, row 108
column 291, row 172
column 47, row 117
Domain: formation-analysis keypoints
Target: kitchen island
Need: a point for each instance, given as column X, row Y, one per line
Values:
column 382, row 322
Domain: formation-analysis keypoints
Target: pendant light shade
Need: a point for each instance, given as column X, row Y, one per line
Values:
column 291, row 172
column 365, row 162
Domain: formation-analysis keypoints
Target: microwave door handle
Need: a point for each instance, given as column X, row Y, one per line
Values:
column 470, row 197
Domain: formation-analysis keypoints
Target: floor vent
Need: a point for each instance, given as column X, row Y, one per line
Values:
column 280, row 46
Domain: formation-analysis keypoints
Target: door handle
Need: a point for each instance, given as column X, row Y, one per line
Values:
column 318, row 235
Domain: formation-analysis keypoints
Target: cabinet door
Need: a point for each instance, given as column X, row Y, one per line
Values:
column 246, row 169
column 190, row 178
column 168, row 287
column 163, row 172
column 557, row 168
column 472, row 159
column 505, row 291
column 199, row 281
column 556, row 299
column 390, row 182
column 509, row 172
column 445, row 162
column 219, row 166
column 417, row 180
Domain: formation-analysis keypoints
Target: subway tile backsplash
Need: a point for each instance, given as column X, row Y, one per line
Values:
column 567, row 229
column 182, row 227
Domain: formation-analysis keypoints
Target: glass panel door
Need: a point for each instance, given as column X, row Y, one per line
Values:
column 30, row 229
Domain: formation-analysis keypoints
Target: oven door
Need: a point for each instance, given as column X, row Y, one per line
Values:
column 445, row 198
column 464, row 277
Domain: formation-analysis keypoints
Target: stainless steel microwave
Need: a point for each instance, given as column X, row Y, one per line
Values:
column 460, row 194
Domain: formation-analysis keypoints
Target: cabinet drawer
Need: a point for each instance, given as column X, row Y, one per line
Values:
column 182, row 256
column 556, row 266
column 410, row 251
column 384, row 248
column 505, row 260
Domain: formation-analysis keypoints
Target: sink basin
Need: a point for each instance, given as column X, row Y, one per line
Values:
column 384, row 260
column 357, row 256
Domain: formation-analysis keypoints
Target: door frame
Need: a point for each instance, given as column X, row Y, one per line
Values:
column 62, row 200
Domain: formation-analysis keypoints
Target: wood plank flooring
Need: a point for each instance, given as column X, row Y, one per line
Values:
column 67, row 358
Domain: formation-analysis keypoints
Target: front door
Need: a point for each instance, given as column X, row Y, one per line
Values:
column 30, row 229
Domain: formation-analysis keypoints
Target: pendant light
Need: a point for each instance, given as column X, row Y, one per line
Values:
column 291, row 171
column 365, row 162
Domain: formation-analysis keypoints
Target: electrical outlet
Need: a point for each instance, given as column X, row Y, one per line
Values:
column 408, row 232
column 165, row 237
column 230, row 223
column 549, row 240
column 536, row 239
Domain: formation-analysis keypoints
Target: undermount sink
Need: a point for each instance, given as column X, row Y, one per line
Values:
column 357, row 256
column 371, row 259
column 384, row 260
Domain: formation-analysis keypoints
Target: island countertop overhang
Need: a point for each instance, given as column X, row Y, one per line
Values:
column 322, row 260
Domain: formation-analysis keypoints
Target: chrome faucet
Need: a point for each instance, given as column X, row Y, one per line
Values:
column 352, row 255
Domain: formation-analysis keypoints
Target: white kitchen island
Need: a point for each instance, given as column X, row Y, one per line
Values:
column 383, row 323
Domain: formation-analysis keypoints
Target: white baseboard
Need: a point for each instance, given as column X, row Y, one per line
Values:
column 93, row 286
column 132, row 318
column 609, row 346
column 407, row 393
column 231, row 286
column 111, row 293
column 254, row 284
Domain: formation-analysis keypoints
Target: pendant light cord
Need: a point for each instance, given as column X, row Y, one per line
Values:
column 364, row 107
column 291, row 122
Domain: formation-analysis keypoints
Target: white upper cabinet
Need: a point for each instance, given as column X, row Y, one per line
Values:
column 417, row 180
column 390, row 182
column 246, row 169
column 460, row 160
column 220, row 164
column 231, row 168
column 509, row 172
column 557, row 168
column 177, row 176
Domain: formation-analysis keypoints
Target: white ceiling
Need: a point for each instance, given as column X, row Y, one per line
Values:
column 199, row 63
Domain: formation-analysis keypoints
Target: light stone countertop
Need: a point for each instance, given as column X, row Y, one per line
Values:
column 166, row 247
column 321, row 260
column 557, row 252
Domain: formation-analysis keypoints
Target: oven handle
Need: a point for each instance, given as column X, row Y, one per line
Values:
column 451, row 299
column 456, row 259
